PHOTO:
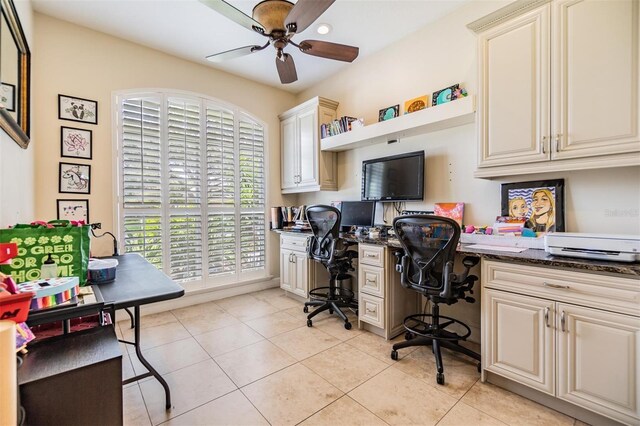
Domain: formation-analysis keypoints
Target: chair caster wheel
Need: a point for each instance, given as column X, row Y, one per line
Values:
column 479, row 367
column 440, row 378
column 408, row 335
column 309, row 323
column 305, row 309
column 330, row 311
column 347, row 325
column 394, row 355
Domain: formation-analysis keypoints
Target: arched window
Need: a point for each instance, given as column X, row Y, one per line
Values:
column 191, row 187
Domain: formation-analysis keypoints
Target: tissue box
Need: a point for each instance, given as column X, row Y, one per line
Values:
column 51, row 292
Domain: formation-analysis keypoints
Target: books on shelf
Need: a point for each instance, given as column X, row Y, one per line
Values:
column 342, row 125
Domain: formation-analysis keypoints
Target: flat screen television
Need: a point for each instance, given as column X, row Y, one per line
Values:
column 395, row 178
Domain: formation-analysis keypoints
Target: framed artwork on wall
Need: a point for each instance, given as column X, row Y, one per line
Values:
column 540, row 202
column 416, row 104
column 75, row 143
column 8, row 96
column 77, row 109
column 76, row 210
column 445, row 95
column 388, row 113
column 74, row 178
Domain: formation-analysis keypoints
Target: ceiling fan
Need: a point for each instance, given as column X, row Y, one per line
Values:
column 279, row 21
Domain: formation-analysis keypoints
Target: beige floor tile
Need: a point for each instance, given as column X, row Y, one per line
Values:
column 233, row 409
column 227, row 339
column 171, row 357
column 152, row 320
column 344, row 412
column 208, row 321
column 511, row 408
column 269, row 293
column 159, row 335
column 236, row 301
column 196, row 310
column 304, row 342
column 462, row 415
column 345, row 366
column 284, row 302
column 133, row 407
column 459, row 374
column 297, row 312
column 190, row 387
column 395, row 397
column 274, row 324
column 127, row 367
column 291, row 395
column 580, row 423
column 334, row 326
column 248, row 311
column 253, row 362
column 378, row 347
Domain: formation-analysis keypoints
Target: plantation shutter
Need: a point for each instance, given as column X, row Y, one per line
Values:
column 141, row 173
column 192, row 194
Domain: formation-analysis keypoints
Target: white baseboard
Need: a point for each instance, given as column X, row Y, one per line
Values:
column 203, row 296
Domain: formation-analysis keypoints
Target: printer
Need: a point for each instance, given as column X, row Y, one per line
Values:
column 619, row 248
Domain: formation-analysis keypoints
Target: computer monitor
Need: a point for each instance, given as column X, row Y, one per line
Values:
column 357, row 213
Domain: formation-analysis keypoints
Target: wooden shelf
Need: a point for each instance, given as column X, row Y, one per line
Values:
column 452, row 114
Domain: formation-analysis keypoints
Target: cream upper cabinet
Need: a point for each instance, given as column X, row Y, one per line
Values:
column 558, row 86
column 304, row 167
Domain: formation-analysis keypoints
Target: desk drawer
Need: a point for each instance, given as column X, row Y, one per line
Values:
column 371, row 280
column 294, row 242
column 371, row 310
column 371, row 255
column 611, row 293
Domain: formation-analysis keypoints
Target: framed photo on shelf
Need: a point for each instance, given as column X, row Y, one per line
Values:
column 77, row 109
column 445, row 95
column 74, row 178
column 75, row 143
column 76, row 210
column 540, row 202
column 388, row 113
column 416, row 104
column 8, row 96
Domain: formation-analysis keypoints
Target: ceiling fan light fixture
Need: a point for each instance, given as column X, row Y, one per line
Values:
column 271, row 14
column 324, row 29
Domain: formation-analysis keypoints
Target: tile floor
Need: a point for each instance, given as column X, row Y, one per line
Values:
column 251, row 360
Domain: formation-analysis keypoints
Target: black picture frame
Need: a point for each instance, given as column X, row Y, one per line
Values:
column 62, row 143
column 382, row 114
column 526, row 191
column 89, row 113
column 10, row 105
column 77, row 184
column 450, row 93
column 62, row 215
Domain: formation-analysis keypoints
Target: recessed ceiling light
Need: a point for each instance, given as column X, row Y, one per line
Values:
column 324, row 29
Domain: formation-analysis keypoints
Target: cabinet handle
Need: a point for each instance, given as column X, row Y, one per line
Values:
column 290, row 261
column 562, row 322
column 546, row 316
column 543, row 145
column 294, row 258
column 370, row 255
column 546, row 284
column 558, row 136
column 371, row 311
column 369, row 280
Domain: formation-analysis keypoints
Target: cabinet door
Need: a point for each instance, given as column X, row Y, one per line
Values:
column 307, row 128
column 595, row 77
column 514, row 91
column 518, row 338
column 286, row 270
column 598, row 361
column 289, row 153
column 301, row 281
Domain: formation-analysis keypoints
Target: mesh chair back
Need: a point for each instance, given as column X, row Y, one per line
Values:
column 430, row 242
column 325, row 224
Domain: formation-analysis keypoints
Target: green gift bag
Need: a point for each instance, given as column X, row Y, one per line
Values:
column 67, row 243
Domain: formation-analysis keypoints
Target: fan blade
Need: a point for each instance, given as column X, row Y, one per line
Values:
column 325, row 49
column 234, row 53
column 224, row 8
column 286, row 69
column 304, row 13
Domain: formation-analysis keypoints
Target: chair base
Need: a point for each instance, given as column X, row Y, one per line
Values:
column 332, row 301
column 434, row 335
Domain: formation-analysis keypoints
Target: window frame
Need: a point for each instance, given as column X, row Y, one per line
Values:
column 207, row 281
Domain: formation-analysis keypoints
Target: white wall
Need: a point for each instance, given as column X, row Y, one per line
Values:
column 433, row 58
column 78, row 61
column 17, row 164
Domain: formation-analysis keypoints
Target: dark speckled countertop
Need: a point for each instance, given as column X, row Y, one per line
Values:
column 527, row 257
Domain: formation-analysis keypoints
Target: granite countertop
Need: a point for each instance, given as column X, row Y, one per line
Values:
column 527, row 257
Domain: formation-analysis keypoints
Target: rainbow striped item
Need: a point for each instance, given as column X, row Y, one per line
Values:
column 51, row 292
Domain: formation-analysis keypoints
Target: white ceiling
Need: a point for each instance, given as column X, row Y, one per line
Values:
column 190, row 30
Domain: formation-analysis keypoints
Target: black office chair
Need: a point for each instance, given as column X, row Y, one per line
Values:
column 331, row 251
column 426, row 266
